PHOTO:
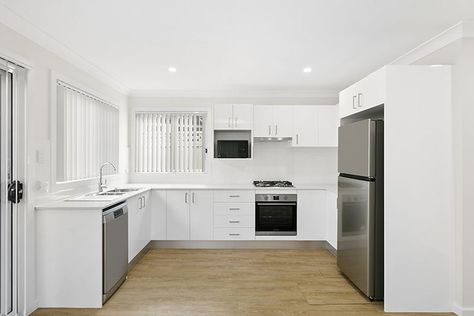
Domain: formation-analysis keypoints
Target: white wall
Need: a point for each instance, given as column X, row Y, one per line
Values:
column 460, row 54
column 38, row 182
column 271, row 161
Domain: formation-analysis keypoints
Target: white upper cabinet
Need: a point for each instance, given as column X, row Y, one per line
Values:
column 242, row 116
column 305, row 127
column 263, row 120
column 315, row 126
column 283, row 121
column 233, row 116
column 222, row 116
column 363, row 95
column 273, row 121
column 328, row 123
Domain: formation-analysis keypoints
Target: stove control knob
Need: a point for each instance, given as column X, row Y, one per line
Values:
column 266, row 197
column 285, row 197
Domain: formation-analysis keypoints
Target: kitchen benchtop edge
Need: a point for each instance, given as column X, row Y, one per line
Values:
column 94, row 205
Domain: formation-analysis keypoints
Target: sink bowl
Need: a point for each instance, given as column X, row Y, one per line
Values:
column 122, row 190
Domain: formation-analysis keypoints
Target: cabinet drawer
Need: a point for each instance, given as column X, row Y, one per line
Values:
column 234, row 221
column 234, row 209
column 234, row 233
column 234, row 196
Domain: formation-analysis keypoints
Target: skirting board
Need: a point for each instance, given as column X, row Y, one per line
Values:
column 241, row 244
column 139, row 256
column 458, row 310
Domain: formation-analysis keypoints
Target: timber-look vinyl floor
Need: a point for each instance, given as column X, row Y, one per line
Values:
column 234, row 282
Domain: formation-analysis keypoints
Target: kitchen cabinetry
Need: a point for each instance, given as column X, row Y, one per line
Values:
column 315, row 126
column 233, row 116
column 311, row 216
column 364, row 94
column 273, row 121
column 158, row 214
column 305, row 131
column 234, row 215
column 189, row 215
column 139, row 217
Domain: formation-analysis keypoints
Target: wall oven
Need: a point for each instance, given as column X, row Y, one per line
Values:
column 275, row 214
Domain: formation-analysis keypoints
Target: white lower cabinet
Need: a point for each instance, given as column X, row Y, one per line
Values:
column 158, row 214
column 232, row 233
column 234, row 215
column 189, row 215
column 311, row 215
column 139, row 219
column 200, row 214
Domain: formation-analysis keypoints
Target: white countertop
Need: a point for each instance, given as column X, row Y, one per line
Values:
column 66, row 204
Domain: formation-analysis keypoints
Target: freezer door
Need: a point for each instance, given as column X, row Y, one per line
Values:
column 355, row 243
column 357, row 149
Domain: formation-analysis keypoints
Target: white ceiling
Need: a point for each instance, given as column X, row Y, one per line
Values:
column 240, row 44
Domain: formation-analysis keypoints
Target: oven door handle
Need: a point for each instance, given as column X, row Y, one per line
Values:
column 277, row 204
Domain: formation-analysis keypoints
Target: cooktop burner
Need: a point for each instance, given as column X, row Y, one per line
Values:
column 270, row 184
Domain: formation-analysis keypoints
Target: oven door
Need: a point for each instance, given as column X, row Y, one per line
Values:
column 275, row 219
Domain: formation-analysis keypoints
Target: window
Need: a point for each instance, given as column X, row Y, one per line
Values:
column 169, row 142
column 87, row 134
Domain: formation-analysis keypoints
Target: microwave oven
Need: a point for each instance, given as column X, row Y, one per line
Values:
column 233, row 149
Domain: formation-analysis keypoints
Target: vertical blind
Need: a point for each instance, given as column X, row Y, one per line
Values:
column 169, row 142
column 87, row 134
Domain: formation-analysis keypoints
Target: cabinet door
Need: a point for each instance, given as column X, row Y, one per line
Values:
column 145, row 221
column 223, row 116
column 134, row 216
column 201, row 215
column 242, row 116
column 328, row 123
column 305, row 126
column 263, row 120
column 311, row 215
column 177, row 214
column 158, row 215
column 373, row 90
column 282, row 121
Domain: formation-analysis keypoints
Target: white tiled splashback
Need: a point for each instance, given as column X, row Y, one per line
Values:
column 271, row 161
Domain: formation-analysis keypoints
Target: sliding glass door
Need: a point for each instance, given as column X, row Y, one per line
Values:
column 10, row 191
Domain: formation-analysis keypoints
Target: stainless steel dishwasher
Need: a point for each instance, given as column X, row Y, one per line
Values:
column 114, row 248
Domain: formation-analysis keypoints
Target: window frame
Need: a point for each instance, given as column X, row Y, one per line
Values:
column 205, row 110
column 54, row 184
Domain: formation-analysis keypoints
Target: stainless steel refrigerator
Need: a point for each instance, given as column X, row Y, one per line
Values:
column 360, row 205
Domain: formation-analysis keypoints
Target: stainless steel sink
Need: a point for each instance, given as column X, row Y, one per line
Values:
column 122, row 190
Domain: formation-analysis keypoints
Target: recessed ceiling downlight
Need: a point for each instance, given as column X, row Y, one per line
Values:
column 172, row 69
column 307, row 70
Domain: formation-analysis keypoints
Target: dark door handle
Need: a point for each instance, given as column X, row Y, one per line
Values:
column 15, row 191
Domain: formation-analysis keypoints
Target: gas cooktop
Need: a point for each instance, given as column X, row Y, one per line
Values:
column 273, row 184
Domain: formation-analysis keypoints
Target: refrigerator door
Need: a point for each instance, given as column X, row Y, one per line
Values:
column 355, row 242
column 357, row 149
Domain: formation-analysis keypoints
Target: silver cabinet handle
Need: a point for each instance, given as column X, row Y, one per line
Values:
column 234, row 234
column 144, row 201
column 234, row 209
column 269, row 130
column 234, row 196
column 234, row 222
column 228, row 122
column 192, row 197
column 276, row 129
column 186, row 197
column 140, row 203
column 297, row 139
column 359, row 97
column 235, row 122
column 354, row 106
